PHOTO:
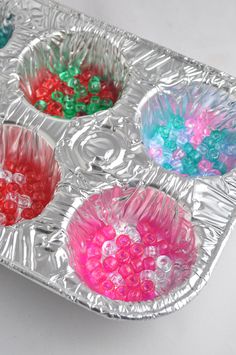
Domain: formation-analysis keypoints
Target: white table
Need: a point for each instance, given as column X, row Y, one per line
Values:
column 37, row 322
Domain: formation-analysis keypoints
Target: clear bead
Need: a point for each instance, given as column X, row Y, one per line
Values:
column 150, row 251
column 24, row 201
column 148, row 275
column 2, row 174
column 116, row 278
column 8, row 176
column 13, row 196
column 109, row 248
column 164, row 263
column 19, row 178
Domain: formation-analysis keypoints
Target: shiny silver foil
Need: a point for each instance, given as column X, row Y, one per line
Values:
column 38, row 248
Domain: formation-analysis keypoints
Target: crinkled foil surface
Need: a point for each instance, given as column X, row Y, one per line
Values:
column 38, row 248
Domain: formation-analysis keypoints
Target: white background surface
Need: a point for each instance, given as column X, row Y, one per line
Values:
column 37, row 322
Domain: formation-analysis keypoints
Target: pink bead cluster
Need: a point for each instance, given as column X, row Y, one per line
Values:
column 132, row 263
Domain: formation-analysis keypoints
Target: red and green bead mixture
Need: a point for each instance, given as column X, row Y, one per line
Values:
column 72, row 91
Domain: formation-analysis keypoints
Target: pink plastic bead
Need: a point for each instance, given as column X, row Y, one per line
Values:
column 93, row 250
column 125, row 270
column 137, row 250
column 123, row 241
column 122, row 256
column 137, row 265
column 110, row 263
column 149, row 239
column 149, row 263
column 92, row 264
column 109, row 232
column 132, row 280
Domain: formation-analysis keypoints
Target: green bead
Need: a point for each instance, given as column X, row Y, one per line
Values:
column 108, row 103
column 178, row 122
column 171, row 145
column 73, row 82
column 167, row 166
column 94, row 85
column 96, row 78
column 195, row 156
column 59, row 68
column 92, row 108
column 220, row 166
column 73, row 70
column 80, row 107
column 57, row 96
column 188, row 148
column 69, row 98
column 69, row 106
column 213, row 155
column 41, row 105
column 164, row 132
column 192, row 170
column 81, row 91
column 69, row 115
column 65, row 76
column 95, row 100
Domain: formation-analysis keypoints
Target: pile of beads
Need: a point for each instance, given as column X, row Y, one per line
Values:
column 24, row 192
column 6, row 30
column 72, row 92
column 190, row 145
column 133, row 263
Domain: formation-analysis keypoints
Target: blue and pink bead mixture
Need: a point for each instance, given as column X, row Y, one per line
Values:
column 189, row 138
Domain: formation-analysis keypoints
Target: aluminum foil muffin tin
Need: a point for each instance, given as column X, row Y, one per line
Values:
column 104, row 150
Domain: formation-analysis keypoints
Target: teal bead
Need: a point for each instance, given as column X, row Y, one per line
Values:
column 202, row 149
column 178, row 122
column 164, row 132
column 80, row 107
column 41, row 105
column 94, row 85
column 171, row 145
column 210, row 142
column 167, row 166
column 220, row 166
column 212, row 155
column 195, row 156
column 188, row 148
column 217, row 135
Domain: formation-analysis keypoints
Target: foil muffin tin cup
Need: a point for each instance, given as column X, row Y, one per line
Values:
column 98, row 152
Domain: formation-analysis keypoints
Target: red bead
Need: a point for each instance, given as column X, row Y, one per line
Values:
column 3, row 184
column 28, row 213
column 9, row 206
column 13, row 187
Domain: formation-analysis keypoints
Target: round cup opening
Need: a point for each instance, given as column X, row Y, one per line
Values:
column 132, row 244
column 29, row 174
column 69, row 75
column 190, row 131
column 6, row 24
